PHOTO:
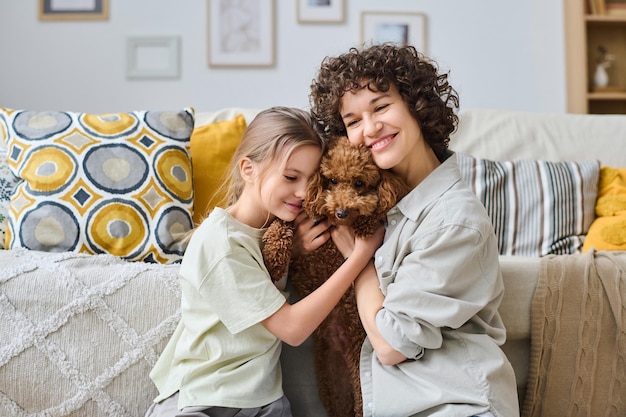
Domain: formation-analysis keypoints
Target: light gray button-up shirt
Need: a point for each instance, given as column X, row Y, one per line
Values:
column 438, row 269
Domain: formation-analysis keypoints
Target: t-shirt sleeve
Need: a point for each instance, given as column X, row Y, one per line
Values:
column 240, row 292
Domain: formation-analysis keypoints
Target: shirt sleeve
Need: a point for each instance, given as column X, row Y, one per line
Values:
column 441, row 282
column 240, row 291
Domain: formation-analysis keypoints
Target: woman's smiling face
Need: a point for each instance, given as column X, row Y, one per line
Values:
column 382, row 121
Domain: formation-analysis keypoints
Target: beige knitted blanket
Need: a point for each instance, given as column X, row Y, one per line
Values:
column 578, row 333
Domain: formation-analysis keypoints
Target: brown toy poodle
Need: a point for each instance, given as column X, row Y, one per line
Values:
column 348, row 189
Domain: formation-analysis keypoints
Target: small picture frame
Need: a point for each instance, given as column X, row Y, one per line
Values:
column 321, row 11
column 153, row 57
column 403, row 28
column 73, row 9
column 241, row 33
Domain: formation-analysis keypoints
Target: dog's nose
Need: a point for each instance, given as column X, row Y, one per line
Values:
column 341, row 213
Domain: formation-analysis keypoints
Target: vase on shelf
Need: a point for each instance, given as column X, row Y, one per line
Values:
column 600, row 77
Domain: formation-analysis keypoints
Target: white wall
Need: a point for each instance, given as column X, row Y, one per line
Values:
column 505, row 54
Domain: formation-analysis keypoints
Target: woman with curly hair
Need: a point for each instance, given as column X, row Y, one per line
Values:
column 429, row 300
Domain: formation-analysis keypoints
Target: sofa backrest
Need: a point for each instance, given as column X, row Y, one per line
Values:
column 507, row 135
column 227, row 113
column 503, row 135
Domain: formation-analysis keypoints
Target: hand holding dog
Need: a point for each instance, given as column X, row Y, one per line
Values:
column 346, row 241
column 308, row 235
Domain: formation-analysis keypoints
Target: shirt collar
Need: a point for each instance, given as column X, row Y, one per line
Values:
column 432, row 187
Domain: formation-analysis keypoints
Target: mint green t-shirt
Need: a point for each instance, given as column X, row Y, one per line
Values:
column 220, row 354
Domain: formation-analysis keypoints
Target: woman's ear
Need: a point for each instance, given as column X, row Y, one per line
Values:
column 248, row 170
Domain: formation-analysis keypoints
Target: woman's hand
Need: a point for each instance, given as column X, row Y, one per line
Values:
column 308, row 235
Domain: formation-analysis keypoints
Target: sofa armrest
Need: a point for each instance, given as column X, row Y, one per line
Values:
column 520, row 276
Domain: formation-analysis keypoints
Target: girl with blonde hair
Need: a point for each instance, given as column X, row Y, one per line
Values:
column 223, row 358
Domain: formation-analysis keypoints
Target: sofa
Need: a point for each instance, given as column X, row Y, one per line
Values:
column 81, row 328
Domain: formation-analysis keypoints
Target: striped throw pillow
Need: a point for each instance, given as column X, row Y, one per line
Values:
column 536, row 207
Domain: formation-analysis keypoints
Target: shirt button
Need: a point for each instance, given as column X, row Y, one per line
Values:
column 380, row 259
column 370, row 405
column 393, row 222
column 367, row 374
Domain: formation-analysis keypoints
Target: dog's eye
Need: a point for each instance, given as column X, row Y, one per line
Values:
column 359, row 184
column 332, row 181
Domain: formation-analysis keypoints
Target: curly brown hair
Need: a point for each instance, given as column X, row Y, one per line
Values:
column 431, row 99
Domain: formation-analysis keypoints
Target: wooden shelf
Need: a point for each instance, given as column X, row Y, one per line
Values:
column 605, row 18
column 584, row 33
column 606, row 95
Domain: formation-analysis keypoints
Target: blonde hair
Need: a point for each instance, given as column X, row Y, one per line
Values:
column 274, row 132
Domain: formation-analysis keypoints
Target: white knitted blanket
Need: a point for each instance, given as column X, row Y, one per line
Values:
column 79, row 333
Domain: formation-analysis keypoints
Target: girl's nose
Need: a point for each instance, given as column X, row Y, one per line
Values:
column 301, row 190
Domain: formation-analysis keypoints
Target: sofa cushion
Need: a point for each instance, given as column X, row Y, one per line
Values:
column 212, row 147
column 80, row 333
column 608, row 230
column 536, row 207
column 8, row 181
column 112, row 183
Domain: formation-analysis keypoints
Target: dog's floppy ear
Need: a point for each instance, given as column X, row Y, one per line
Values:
column 277, row 244
column 314, row 196
column 391, row 189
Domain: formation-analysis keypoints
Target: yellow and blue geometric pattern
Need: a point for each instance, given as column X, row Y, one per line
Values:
column 112, row 183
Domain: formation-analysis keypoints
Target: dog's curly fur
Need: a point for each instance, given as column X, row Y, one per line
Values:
column 347, row 189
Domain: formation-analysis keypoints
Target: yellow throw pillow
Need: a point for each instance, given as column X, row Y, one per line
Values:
column 212, row 147
column 608, row 230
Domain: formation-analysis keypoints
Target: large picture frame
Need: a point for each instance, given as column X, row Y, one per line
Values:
column 321, row 11
column 403, row 28
column 73, row 9
column 241, row 33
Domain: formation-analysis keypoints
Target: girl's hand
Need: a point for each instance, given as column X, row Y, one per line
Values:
column 347, row 243
column 308, row 235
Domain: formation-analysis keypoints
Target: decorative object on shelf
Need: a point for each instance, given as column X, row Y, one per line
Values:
column 603, row 62
column 403, row 28
column 241, row 33
column 321, row 11
column 153, row 57
column 74, row 10
column 616, row 7
column 596, row 7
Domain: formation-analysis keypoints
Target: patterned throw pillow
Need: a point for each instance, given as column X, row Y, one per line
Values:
column 608, row 230
column 536, row 207
column 111, row 183
column 7, row 184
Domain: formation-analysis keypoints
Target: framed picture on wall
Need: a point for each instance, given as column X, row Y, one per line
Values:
column 321, row 11
column 403, row 28
column 153, row 57
column 241, row 33
column 73, row 9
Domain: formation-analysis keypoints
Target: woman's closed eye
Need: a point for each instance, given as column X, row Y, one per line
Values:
column 351, row 122
column 381, row 107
